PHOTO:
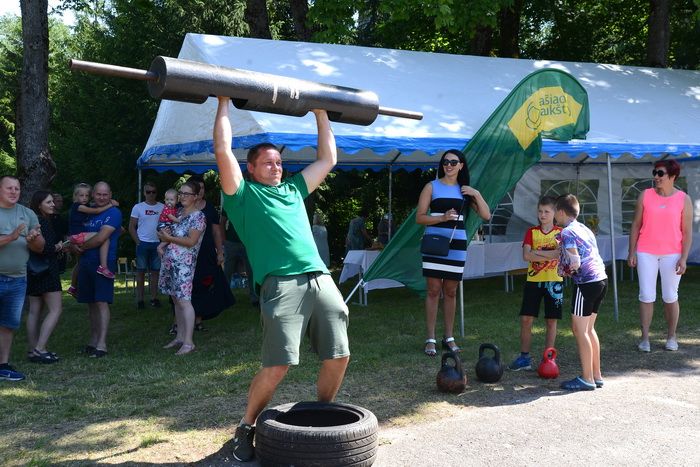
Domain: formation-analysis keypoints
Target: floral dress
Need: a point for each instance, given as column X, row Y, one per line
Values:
column 178, row 262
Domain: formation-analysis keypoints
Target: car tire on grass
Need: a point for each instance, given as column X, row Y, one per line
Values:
column 327, row 434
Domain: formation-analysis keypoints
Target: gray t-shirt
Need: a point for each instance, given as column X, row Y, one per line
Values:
column 14, row 255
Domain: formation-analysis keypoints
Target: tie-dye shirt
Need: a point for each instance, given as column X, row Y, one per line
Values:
column 592, row 269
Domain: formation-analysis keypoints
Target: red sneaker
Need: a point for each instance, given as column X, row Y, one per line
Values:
column 105, row 272
column 78, row 238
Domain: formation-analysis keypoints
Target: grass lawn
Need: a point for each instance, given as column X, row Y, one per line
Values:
column 143, row 404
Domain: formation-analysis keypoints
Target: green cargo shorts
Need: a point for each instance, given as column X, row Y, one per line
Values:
column 292, row 306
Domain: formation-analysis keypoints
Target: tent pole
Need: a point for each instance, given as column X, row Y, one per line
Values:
column 391, row 183
column 138, row 195
column 461, row 308
column 612, row 239
column 359, row 283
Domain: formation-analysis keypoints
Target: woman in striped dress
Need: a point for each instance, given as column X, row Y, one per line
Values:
column 442, row 206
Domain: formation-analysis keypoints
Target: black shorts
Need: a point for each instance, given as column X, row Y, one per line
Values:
column 553, row 294
column 588, row 297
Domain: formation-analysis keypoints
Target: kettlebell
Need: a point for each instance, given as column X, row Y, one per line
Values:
column 489, row 369
column 548, row 369
column 451, row 377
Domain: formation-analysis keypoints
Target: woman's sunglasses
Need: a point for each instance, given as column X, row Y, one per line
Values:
column 451, row 162
column 658, row 173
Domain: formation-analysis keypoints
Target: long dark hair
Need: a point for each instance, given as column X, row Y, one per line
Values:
column 462, row 175
column 37, row 198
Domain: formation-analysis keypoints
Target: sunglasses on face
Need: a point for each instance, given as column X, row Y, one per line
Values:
column 151, row 192
column 452, row 162
column 658, row 173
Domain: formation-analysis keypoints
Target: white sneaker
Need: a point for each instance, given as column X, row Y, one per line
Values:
column 644, row 346
column 671, row 344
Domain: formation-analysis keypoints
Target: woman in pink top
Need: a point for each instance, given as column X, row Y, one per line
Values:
column 660, row 240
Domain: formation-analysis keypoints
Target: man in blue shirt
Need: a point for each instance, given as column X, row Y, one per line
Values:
column 94, row 289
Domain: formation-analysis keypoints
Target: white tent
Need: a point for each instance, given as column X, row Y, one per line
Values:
column 637, row 115
column 635, row 112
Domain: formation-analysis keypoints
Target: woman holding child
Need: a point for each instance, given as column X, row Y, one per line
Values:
column 660, row 240
column 441, row 208
column 178, row 249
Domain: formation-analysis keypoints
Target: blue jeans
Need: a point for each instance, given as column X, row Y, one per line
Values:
column 12, row 291
column 147, row 258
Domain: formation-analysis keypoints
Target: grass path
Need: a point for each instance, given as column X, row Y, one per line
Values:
column 141, row 404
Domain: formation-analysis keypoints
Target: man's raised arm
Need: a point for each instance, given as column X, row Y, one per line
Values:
column 230, row 174
column 326, row 156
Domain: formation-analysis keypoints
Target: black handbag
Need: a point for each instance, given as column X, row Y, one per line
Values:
column 37, row 264
column 437, row 245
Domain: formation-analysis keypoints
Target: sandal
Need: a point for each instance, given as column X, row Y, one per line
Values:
column 185, row 349
column 97, row 353
column 430, row 352
column 42, row 357
column 173, row 343
column 446, row 341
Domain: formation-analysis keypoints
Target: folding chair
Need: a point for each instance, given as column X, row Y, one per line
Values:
column 125, row 269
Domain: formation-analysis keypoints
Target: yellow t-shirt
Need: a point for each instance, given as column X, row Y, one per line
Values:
column 546, row 270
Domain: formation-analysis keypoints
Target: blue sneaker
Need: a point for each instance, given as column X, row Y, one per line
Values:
column 8, row 373
column 521, row 363
column 577, row 384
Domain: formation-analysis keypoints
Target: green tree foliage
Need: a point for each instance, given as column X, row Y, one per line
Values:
column 432, row 25
column 10, row 71
column 102, row 124
column 605, row 31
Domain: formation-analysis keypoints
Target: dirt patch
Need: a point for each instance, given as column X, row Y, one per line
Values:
column 642, row 418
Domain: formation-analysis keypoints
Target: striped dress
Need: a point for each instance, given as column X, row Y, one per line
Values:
column 444, row 198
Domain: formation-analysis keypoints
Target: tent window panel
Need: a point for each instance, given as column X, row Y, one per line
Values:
column 585, row 190
column 631, row 189
column 500, row 217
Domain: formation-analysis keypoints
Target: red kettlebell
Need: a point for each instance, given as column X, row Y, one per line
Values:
column 548, row 369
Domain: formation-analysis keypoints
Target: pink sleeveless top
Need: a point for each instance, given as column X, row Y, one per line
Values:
column 661, row 223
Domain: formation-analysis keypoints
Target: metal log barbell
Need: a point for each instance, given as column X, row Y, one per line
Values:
column 194, row 82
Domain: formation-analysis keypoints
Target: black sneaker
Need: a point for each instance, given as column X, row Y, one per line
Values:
column 155, row 303
column 243, row 449
column 140, row 305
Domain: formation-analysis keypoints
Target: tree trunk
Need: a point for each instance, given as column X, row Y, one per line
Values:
column 509, row 28
column 257, row 19
column 300, row 10
column 36, row 169
column 659, row 33
column 482, row 42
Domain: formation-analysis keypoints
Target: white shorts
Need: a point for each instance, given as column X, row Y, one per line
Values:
column 649, row 266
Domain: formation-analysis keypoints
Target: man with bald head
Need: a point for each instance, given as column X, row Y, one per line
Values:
column 96, row 290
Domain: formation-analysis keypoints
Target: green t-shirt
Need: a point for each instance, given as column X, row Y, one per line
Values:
column 14, row 255
column 274, row 227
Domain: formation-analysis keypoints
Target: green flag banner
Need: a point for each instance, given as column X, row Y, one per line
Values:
column 547, row 103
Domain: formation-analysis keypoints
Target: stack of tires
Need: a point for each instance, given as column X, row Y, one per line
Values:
column 316, row 434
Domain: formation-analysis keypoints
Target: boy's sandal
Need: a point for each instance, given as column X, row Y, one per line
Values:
column 446, row 341
column 430, row 351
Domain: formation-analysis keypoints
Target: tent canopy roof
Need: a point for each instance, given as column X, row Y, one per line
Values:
column 635, row 112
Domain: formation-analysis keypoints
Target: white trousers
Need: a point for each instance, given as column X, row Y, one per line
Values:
column 649, row 267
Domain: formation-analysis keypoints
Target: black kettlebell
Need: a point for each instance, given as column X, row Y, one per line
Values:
column 451, row 377
column 489, row 369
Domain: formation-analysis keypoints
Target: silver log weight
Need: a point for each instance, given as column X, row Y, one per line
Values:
column 189, row 81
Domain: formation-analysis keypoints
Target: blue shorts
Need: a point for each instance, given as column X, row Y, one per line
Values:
column 12, row 290
column 93, row 287
column 147, row 258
